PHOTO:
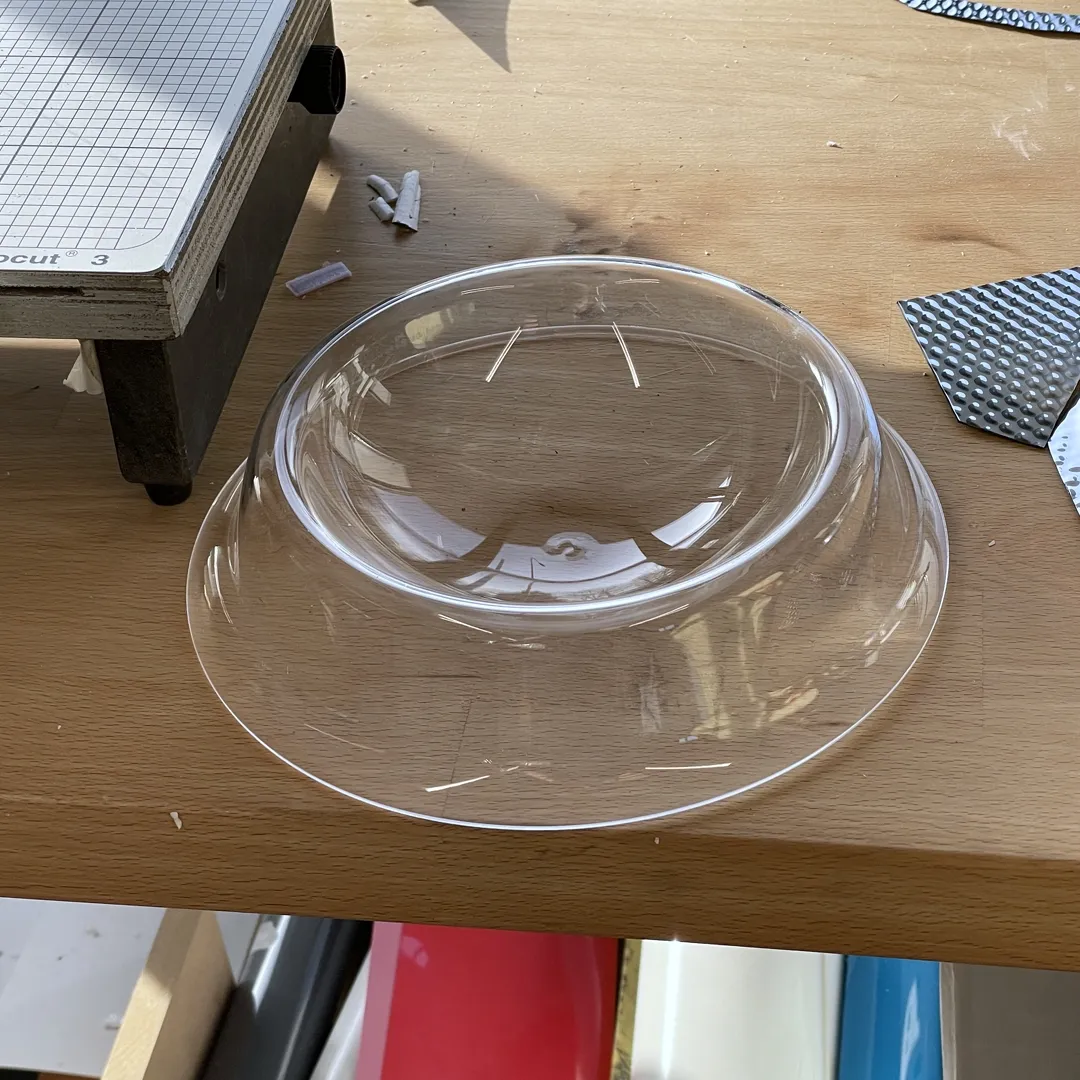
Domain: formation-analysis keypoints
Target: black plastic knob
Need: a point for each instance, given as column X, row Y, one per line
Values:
column 320, row 86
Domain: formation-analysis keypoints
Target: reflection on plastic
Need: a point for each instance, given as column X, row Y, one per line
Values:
column 458, row 1004
column 891, row 1026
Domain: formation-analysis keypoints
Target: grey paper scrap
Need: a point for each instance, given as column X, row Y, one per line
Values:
column 1047, row 22
column 318, row 279
column 1006, row 355
column 1065, row 450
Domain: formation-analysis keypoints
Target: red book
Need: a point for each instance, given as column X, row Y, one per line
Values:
column 454, row 1004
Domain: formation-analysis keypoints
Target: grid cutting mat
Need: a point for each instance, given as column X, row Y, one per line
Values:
column 113, row 116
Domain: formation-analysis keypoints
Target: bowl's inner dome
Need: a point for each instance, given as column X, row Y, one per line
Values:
column 570, row 466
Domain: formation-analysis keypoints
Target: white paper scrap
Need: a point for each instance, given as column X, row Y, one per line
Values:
column 84, row 376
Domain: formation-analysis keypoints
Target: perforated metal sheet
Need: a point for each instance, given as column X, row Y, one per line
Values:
column 1048, row 22
column 113, row 116
column 1006, row 355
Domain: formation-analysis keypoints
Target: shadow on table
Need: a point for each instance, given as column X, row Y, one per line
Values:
column 482, row 21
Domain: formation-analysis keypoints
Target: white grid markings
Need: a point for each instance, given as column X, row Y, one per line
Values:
column 105, row 106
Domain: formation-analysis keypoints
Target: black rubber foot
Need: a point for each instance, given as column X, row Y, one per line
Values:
column 168, row 494
column 320, row 86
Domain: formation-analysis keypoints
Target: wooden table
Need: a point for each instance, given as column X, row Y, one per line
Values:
column 948, row 827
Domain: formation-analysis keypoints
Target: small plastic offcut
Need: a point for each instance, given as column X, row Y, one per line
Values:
column 381, row 208
column 407, row 211
column 382, row 188
column 317, row 279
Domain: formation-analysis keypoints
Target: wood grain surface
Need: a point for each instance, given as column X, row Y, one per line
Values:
column 949, row 826
column 177, row 1003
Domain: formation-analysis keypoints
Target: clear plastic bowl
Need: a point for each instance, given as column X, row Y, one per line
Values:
column 566, row 542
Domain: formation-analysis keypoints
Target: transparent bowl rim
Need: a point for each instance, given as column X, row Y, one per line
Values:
column 842, row 375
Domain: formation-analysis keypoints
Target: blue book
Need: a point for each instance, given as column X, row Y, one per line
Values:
column 890, row 1027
